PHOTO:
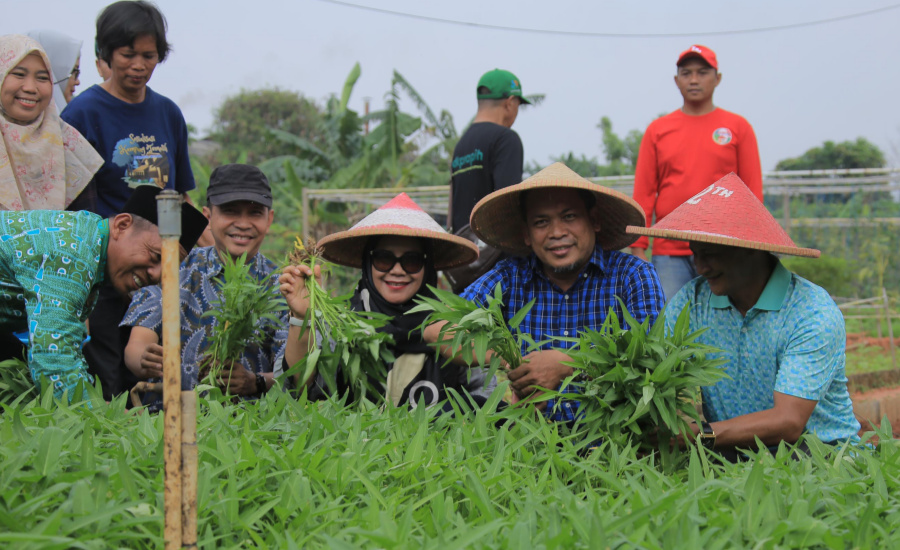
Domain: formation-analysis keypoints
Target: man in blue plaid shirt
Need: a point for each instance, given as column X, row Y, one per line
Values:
column 565, row 233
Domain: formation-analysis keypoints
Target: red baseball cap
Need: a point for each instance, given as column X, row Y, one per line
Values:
column 702, row 52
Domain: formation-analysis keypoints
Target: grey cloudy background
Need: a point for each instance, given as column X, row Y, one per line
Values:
column 797, row 87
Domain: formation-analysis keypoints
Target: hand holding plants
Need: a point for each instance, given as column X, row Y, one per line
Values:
column 237, row 380
column 293, row 287
column 151, row 362
column 475, row 335
column 244, row 306
column 640, row 381
column 539, row 369
column 354, row 351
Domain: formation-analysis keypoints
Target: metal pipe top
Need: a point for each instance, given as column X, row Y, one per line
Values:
column 168, row 208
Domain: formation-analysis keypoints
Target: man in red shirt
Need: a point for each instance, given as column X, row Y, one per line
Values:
column 682, row 151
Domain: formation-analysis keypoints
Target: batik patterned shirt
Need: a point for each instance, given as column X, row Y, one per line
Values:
column 199, row 290
column 558, row 316
column 792, row 342
column 51, row 266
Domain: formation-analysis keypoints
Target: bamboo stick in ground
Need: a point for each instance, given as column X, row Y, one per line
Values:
column 169, row 208
column 189, row 469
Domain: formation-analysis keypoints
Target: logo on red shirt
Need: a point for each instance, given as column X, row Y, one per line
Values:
column 722, row 136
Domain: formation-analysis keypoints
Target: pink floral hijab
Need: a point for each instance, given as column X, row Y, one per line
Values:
column 46, row 163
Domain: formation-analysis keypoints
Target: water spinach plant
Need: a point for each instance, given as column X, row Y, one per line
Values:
column 282, row 472
column 242, row 306
column 635, row 379
column 346, row 347
column 471, row 330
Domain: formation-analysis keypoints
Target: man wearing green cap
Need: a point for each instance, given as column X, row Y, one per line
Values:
column 489, row 155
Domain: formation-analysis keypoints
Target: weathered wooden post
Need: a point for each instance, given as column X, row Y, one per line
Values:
column 169, row 214
column 786, row 213
column 890, row 326
column 189, row 469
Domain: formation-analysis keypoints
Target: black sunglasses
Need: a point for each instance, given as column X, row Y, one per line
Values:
column 384, row 261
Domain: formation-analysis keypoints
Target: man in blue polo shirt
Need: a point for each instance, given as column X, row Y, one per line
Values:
column 565, row 234
column 783, row 336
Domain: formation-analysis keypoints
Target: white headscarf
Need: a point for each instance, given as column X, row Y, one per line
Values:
column 45, row 163
column 63, row 51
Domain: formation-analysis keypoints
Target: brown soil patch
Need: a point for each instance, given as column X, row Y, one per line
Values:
column 860, row 339
column 881, row 395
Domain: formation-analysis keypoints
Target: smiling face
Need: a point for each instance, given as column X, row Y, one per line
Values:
column 739, row 273
column 133, row 255
column 561, row 232
column 697, row 80
column 27, row 89
column 131, row 68
column 397, row 286
column 239, row 227
column 729, row 270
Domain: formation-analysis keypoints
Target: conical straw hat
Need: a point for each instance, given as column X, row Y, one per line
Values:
column 498, row 220
column 726, row 213
column 401, row 216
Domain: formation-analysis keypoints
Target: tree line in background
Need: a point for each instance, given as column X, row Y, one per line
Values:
column 300, row 144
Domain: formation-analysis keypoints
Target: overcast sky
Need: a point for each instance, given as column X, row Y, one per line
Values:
column 797, row 87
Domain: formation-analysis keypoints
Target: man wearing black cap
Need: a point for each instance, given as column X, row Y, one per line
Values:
column 240, row 214
column 52, row 265
column 487, row 157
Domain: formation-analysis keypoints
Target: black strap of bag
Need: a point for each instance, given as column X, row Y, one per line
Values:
column 464, row 275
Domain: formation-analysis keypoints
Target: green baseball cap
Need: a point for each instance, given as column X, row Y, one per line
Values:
column 501, row 84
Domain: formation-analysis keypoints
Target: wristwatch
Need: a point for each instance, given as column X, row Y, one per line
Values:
column 298, row 322
column 707, row 435
column 261, row 386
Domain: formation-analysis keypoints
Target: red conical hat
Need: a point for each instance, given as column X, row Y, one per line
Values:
column 725, row 213
column 400, row 216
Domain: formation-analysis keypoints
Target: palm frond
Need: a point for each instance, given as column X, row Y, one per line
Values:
column 400, row 81
column 348, row 86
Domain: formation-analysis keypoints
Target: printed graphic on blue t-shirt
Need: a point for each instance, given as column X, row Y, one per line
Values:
column 145, row 162
column 142, row 144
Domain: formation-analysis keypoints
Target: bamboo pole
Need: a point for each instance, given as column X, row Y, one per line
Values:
column 169, row 219
column 189, row 469
column 890, row 327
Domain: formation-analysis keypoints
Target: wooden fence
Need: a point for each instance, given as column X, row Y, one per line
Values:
column 786, row 184
column 878, row 307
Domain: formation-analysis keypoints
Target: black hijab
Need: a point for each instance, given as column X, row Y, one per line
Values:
column 404, row 328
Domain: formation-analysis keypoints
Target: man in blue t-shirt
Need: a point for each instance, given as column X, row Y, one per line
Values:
column 782, row 336
column 143, row 139
column 141, row 135
column 141, row 143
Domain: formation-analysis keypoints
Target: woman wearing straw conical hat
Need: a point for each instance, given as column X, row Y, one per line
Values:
column 782, row 335
column 399, row 249
column 566, row 234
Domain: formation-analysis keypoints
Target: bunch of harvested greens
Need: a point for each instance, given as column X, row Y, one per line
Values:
column 345, row 346
column 639, row 380
column 471, row 329
column 243, row 305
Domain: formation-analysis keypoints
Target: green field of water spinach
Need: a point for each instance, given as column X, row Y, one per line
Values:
column 287, row 473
